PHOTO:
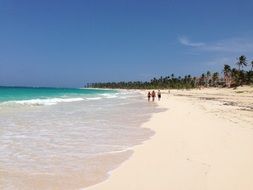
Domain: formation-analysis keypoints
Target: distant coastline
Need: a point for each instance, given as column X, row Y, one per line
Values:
column 228, row 77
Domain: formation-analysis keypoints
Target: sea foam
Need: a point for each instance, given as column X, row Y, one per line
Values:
column 88, row 136
column 46, row 102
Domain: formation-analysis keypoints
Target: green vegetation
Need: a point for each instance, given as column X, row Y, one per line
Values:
column 228, row 78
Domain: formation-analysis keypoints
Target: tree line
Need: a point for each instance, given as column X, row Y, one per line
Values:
column 229, row 77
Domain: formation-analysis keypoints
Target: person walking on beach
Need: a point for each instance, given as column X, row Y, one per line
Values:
column 149, row 95
column 159, row 95
column 153, row 95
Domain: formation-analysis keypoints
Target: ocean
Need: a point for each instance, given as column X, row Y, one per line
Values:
column 56, row 138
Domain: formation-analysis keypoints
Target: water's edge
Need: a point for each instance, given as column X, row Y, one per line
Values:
column 130, row 151
column 77, row 173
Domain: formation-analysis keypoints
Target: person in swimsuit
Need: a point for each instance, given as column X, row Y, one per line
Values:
column 153, row 95
column 159, row 95
column 149, row 96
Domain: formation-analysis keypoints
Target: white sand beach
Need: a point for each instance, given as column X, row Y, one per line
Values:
column 203, row 141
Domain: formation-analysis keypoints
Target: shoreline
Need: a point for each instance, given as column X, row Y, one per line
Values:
column 195, row 146
column 78, row 149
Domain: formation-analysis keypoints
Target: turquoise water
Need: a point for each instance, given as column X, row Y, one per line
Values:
column 29, row 93
column 53, row 138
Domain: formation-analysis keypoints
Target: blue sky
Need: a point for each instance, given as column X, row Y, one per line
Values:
column 65, row 43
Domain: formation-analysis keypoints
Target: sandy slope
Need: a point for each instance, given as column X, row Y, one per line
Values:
column 200, row 144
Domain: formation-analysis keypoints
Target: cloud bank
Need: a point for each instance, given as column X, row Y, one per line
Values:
column 233, row 45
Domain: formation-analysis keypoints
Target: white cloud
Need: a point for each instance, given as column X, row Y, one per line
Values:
column 185, row 41
column 233, row 45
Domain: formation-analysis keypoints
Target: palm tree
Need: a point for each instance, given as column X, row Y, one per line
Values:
column 202, row 79
column 208, row 75
column 251, row 66
column 227, row 69
column 242, row 61
column 227, row 75
column 235, row 74
column 215, row 78
column 194, row 82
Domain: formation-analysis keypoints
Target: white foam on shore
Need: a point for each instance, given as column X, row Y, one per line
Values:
column 46, row 102
column 54, row 101
column 95, row 98
column 110, row 95
column 54, row 140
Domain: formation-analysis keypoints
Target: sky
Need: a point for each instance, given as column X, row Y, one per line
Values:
column 67, row 43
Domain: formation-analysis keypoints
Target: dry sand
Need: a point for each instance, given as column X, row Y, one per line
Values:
column 203, row 141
